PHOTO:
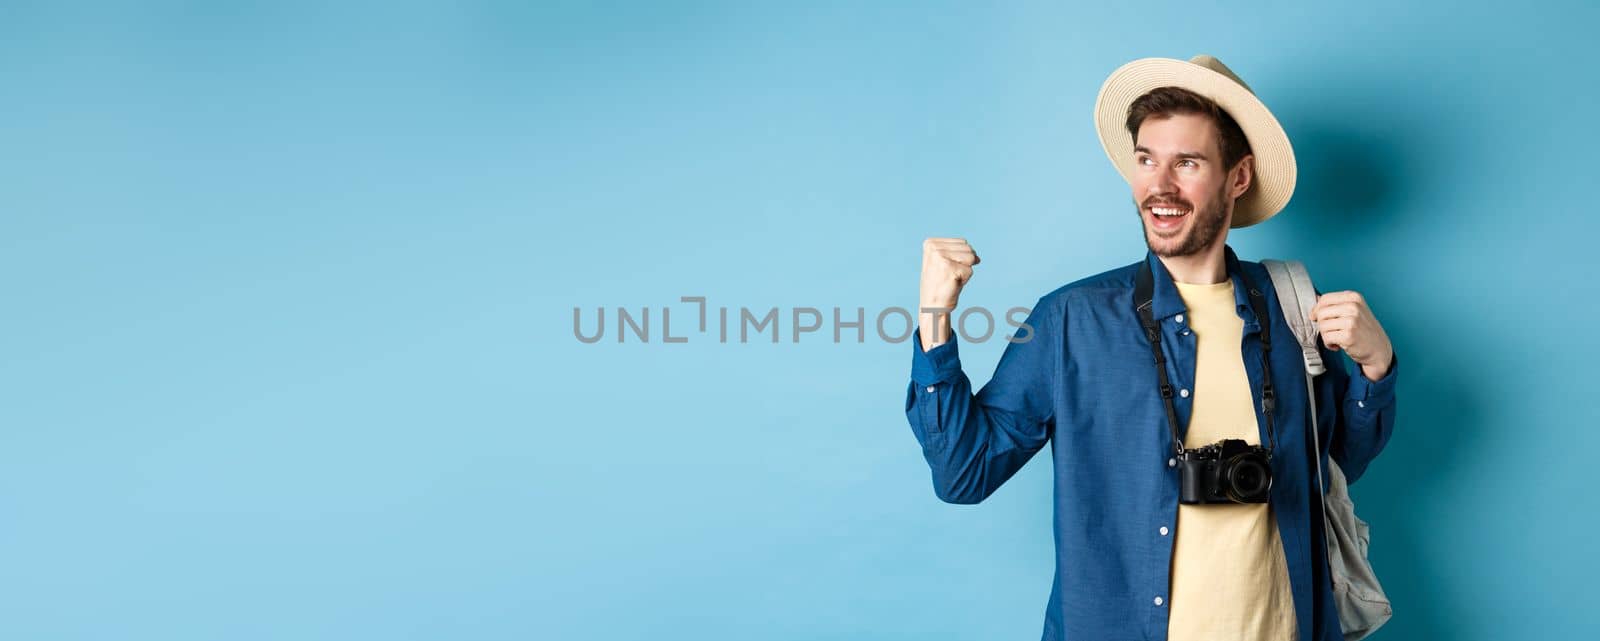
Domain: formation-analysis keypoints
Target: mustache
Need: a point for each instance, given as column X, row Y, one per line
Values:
column 1159, row 202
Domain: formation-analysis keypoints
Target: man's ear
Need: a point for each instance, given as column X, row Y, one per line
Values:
column 1242, row 175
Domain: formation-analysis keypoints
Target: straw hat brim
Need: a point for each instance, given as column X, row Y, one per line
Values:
column 1275, row 169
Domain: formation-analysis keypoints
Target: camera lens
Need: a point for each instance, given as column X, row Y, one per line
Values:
column 1248, row 479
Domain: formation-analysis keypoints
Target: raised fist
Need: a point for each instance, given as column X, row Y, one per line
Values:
column 946, row 267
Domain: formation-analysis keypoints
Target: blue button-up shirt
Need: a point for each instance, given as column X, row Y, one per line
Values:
column 1085, row 381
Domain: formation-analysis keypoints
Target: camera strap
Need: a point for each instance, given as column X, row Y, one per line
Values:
column 1143, row 296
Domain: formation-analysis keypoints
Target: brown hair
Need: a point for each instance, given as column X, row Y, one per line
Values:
column 1164, row 102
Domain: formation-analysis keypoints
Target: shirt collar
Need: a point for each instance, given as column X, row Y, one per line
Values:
column 1166, row 302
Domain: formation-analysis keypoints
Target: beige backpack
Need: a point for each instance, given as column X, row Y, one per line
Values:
column 1362, row 605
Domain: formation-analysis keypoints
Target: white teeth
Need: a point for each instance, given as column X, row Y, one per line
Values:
column 1168, row 211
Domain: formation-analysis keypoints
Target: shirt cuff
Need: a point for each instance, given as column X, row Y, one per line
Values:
column 937, row 365
column 1377, row 393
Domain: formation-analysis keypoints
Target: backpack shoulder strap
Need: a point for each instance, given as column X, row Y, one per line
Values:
column 1297, row 297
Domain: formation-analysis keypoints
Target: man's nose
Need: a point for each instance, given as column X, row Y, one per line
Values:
column 1163, row 183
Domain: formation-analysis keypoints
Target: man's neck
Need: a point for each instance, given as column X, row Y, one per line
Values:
column 1205, row 268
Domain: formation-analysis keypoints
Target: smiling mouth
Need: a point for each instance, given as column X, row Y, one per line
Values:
column 1166, row 221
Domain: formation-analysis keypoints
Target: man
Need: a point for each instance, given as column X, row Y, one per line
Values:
column 1202, row 155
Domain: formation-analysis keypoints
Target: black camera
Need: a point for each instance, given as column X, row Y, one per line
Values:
column 1229, row 471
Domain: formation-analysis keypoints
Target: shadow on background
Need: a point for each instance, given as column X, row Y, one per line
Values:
column 1344, row 204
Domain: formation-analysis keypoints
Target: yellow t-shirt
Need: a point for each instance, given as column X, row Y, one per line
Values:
column 1229, row 577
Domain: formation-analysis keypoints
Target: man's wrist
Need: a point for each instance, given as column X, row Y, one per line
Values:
column 935, row 321
column 1376, row 372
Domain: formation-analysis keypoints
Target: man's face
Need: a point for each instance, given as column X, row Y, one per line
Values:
column 1178, row 172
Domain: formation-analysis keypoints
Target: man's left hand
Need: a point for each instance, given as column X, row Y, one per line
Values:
column 1345, row 322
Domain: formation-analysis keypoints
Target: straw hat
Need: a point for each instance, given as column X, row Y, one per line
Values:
column 1273, row 182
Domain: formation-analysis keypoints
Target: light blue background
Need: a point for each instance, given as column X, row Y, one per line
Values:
column 288, row 293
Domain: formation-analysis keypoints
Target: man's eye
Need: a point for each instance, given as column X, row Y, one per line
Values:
column 1144, row 160
column 1189, row 163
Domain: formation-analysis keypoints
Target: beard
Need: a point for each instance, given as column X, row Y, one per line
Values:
column 1209, row 219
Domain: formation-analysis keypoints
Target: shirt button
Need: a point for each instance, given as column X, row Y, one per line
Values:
column 1184, row 392
column 930, row 389
column 1172, row 462
column 1179, row 318
column 1158, row 600
column 1361, row 403
column 1163, row 530
column 1184, row 333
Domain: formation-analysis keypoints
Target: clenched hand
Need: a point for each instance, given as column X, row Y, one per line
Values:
column 1346, row 323
column 946, row 268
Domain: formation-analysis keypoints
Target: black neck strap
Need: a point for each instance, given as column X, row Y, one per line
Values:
column 1143, row 296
